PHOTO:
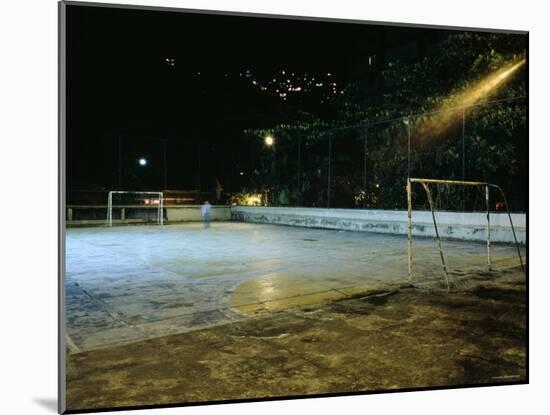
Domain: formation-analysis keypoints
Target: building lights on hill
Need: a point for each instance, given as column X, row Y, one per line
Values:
column 284, row 84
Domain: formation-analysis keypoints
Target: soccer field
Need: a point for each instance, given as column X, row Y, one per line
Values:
column 127, row 284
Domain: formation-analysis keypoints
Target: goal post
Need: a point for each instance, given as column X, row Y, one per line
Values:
column 425, row 183
column 158, row 200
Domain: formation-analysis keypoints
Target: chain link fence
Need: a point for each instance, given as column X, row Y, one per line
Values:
column 366, row 165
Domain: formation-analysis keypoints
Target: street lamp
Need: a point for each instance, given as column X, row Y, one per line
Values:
column 270, row 142
column 142, row 162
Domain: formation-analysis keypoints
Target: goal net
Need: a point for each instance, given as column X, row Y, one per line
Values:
column 134, row 207
column 447, row 210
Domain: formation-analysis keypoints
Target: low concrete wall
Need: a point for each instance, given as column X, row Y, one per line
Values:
column 192, row 213
column 95, row 215
column 465, row 226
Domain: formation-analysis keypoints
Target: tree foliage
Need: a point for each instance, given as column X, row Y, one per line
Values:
column 485, row 142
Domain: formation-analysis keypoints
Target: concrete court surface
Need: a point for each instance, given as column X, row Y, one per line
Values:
column 406, row 338
column 131, row 283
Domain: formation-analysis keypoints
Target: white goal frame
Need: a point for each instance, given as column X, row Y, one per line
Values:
column 424, row 183
column 160, row 206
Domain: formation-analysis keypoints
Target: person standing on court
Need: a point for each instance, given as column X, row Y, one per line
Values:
column 205, row 211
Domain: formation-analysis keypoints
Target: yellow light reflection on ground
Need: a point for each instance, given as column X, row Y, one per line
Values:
column 280, row 291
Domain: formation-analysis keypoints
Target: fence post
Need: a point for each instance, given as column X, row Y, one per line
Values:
column 487, row 206
column 299, row 196
column 274, row 168
column 119, row 169
column 110, row 209
column 329, row 163
column 408, row 123
column 161, row 203
column 409, row 227
column 164, row 163
column 463, row 156
column 365, row 152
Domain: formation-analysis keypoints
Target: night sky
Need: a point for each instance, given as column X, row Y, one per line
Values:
column 137, row 78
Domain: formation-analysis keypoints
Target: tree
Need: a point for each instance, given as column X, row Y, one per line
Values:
column 456, row 72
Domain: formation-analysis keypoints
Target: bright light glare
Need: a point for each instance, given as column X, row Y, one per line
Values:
column 142, row 162
column 269, row 140
column 479, row 91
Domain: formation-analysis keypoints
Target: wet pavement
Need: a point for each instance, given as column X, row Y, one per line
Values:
column 132, row 283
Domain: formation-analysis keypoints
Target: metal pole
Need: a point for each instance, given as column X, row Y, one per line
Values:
column 274, row 174
column 162, row 209
column 465, row 183
column 110, row 210
column 409, row 226
column 252, row 161
column 198, row 169
column 329, row 163
column 511, row 225
column 463, row 156
column 488, row 228
column 158, row 209
column 408, row 148
column 164, row 145
column 365, row 168
column 299, row 170
column 119, row 162
column 430, row 201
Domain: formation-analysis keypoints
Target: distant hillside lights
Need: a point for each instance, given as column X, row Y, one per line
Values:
column 284, row 85
column 291, row 83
